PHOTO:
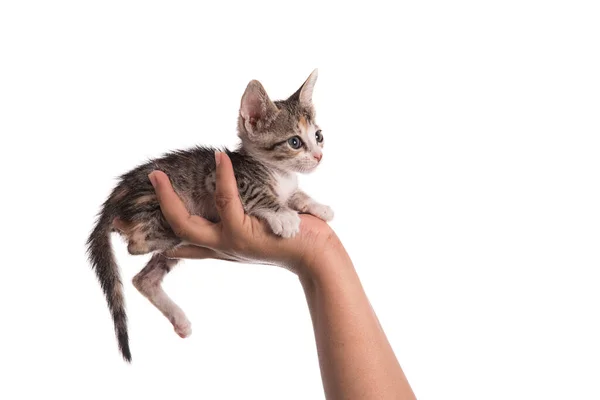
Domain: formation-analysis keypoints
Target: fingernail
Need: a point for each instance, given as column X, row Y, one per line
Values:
column 218, row 157
column 152, row 178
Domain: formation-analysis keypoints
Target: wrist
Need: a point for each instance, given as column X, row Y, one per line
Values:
column 326, row 262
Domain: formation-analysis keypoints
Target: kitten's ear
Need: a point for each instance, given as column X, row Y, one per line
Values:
column 304, row 94
column 257, row 109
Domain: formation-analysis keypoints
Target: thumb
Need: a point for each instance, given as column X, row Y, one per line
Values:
column 227, row 197
column 191, row 228
column 171, row 205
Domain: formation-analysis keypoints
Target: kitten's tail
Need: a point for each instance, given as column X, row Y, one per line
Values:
column 103, row 262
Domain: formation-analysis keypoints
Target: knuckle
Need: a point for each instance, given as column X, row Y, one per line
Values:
column 181, row 230
column 172, row 253
column 222, row 200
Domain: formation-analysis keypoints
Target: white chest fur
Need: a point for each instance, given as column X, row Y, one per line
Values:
column 286, row 185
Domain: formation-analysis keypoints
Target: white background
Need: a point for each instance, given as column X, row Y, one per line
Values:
column 461, row 158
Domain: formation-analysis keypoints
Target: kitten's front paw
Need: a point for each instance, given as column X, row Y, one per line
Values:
column 284, row 223
column 321, row 211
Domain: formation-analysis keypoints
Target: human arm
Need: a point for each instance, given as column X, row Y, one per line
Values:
column 356, row 359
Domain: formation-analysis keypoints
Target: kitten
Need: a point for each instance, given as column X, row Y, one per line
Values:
column 278, row 139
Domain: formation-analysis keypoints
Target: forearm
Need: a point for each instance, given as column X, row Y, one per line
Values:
column 356, row 359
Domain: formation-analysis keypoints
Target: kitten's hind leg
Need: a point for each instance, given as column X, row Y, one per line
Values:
column 148, row 282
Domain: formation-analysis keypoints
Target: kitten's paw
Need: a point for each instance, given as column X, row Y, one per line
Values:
column 321, row 211
column 182, row 327
column 285, row 223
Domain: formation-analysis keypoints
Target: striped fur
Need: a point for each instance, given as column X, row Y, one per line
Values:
column 265, row 165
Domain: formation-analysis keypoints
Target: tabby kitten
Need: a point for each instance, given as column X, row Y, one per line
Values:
column 278, row 139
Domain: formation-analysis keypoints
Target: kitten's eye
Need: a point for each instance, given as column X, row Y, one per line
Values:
column 295, row 142
column 319, row 136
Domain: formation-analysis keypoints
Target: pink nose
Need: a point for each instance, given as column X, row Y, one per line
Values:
column 318, row 156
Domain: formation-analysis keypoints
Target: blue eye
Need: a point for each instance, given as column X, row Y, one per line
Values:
column 319, row 136
column 295, row 142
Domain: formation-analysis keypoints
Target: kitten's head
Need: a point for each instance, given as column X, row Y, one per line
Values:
column 283, row 133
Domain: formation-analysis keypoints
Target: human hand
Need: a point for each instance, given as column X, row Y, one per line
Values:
column 347, row 331
column 238, row 236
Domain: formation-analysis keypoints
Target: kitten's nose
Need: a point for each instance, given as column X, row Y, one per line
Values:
column 318, row 156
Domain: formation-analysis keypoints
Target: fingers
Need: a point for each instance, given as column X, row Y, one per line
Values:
column 192, row 228
column 195, row 229
column 170, row 204
column 196, row 253
column 227, row 197
column 191, row 252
